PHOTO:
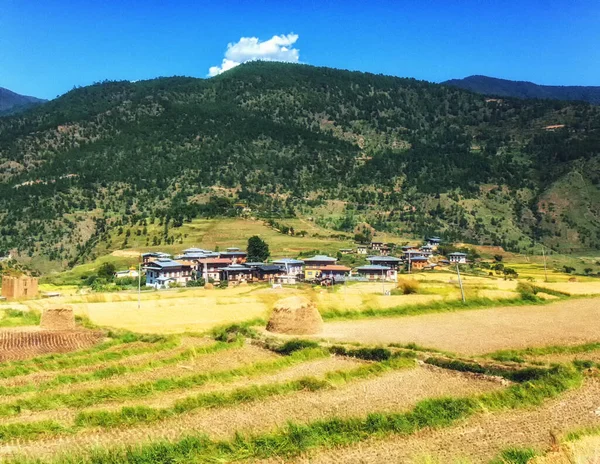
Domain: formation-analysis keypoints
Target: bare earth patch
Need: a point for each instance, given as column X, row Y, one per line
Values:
column 481, row 331
column 396, row 391
column 478, row 439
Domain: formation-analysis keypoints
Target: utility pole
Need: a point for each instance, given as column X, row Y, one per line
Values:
column 409, row 255
column 545, row 267
column 462, row 291
column 139, row 285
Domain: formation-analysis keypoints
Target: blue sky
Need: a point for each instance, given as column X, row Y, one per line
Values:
column 47, row 47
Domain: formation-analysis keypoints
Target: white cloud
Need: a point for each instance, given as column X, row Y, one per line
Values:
column 277, row 48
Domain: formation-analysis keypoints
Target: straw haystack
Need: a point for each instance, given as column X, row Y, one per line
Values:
column 208, row 286
column 58, row 319
column 295, row 315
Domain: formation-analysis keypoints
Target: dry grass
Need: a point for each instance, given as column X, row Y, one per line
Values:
column 574, row 288
column 583, row 451
column 480, row 438
column 398, row 390
column 476, row 332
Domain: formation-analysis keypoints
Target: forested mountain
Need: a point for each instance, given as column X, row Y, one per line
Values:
column 11, row 102
column 523, row 89
column 403, row 155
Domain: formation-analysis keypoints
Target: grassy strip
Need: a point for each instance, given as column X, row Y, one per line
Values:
column 516, row 375
column 91, row 397
column 519, row 355
column 434, row 307
column 15, row 318
column 97, row 354
column 136, row 415
column 300, row 438
column 130, row 416
column 118, row 370
column 515, row 456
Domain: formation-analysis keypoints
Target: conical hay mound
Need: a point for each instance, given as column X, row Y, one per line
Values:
column 295, row 315
column 58, row 319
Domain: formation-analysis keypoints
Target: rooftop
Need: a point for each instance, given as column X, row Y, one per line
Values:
column 457, row 254
column 321, row 258
column 373, row 267
column 335, row 267
column 165, row 263
column 288, row 261
column 384, row 258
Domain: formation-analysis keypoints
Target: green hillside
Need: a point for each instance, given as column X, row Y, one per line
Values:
column 284, row 141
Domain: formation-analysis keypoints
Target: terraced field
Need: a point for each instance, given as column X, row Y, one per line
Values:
column 238, row 395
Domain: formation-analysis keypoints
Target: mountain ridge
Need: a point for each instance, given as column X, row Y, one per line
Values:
column 405, row 156
column 12, row 102
column 494, row 86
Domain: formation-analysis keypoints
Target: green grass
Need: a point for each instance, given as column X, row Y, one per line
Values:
column 295, row 439
column 132, row 416
column 519, row 356
column 91, row 397
column 15, row 318
column 434, row 307
column 118, row 370
column 515, row 456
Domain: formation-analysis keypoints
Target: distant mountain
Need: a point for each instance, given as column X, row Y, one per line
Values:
column 86, row 171
column 522, row 89
column 11, row 102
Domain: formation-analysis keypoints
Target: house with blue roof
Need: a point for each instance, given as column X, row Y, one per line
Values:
column 164, row 272
column 377, row 272
column 293, row 270
column 390, row 261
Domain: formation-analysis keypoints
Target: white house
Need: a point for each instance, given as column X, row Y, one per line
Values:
column 164, row 272
column 210, row 268
column 293, row 269
column 128, row 273
column 458, row 258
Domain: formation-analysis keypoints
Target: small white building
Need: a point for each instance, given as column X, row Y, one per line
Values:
column 294, row 270
column 133, row 273
column 361, row 249
column 457, row 258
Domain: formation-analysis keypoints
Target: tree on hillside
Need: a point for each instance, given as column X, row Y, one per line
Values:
column 107, row 271
column 258, row 249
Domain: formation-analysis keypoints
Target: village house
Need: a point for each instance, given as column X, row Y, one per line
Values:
column 390, row 261
column 361, row 249
column 164, row 272
column 22, row 286
column 376, row 246
column 314, row 264
column 426, row 250
column 236, row 273
column 292, row 270
column 210, row 268
column 457, row 258
column 333, row 272
column 412, row 254
column 153, row 256
column 262, row 272
column 235, row 256
column 378, row 272
column 418, row 263
column 132, row 272
column 433, row 241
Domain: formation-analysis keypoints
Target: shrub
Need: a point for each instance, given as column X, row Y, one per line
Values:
column 295, row 345
column 368, row 354
column 195, row 283
column 527, row 291
column 408, row 286
column 223, row 284
column 233, row 332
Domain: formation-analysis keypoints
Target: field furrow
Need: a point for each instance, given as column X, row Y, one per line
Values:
column 479, row 439
column 393, row 391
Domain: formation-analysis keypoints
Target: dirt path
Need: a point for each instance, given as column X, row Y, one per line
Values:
column 482, row 331
column 479, row 439
column 395, row 391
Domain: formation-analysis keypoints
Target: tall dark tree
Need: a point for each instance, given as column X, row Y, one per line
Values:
column 258, row 249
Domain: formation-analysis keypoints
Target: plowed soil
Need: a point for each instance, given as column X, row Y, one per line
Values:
column 470, row 332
